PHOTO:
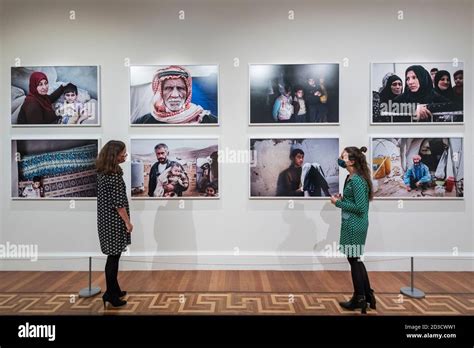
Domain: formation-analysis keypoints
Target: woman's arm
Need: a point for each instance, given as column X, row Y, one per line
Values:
column 56, row 94
column 123, row 214
column 361, row 204
column 119, row 199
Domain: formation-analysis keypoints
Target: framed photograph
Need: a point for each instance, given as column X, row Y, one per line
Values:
column 57, row 96
column 174, row 95
column 294, row 168
column 294, row 94
column 45, row 168
column 175, row 168
column 417, row 93
column 418, row 167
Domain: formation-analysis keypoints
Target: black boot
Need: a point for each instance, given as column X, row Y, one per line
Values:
column 356, row 302
column 119, row 292
column 349, row 304
column 362, row 304
column 371, row 301
column 114, row 300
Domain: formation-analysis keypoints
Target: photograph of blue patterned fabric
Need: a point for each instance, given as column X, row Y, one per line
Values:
column 419, row 168
column 54, row 168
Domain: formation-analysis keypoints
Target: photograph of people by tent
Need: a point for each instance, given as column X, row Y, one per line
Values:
column 418, row 167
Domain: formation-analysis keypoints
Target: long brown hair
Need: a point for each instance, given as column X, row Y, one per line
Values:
column 361, row 165
column 107, row 161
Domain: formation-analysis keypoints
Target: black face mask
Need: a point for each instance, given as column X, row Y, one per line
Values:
column 341, row 163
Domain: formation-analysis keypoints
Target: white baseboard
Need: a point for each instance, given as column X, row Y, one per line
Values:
column 209, row 261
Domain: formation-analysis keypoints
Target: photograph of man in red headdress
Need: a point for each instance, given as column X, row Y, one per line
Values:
column 174, row 95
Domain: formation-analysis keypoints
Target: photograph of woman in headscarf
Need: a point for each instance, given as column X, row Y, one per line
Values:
column 54, row 95
column 420, row 98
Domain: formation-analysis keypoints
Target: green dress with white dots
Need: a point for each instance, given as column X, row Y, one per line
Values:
column 355, row 216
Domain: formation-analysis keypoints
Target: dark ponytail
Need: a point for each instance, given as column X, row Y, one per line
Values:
column 361, row 165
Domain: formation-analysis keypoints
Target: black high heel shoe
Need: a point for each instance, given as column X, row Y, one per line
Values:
column 115, row 301
column 371, row 301
column 354, row 303
column 122, row 293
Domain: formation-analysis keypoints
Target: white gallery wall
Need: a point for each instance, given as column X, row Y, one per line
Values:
column 235, row 232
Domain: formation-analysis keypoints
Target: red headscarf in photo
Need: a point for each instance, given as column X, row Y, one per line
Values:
column 33, row 94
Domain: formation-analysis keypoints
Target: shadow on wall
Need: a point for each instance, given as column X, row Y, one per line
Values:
column 302, row 231
column 174, row 230
column 330, row 216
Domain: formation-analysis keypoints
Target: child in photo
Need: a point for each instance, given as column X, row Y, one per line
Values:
column 211, row 190
column 72, row 111
column 35, row 189
column 170, row 179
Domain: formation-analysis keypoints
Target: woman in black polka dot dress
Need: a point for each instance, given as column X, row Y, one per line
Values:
column 113, row 215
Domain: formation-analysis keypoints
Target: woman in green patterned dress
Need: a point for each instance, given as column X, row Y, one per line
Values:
column 354, row 223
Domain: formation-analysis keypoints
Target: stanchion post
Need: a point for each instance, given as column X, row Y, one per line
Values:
column 411, row 291
column 90, row 291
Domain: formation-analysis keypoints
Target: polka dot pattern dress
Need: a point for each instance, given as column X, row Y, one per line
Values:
column 112, row 194
column 355, row 216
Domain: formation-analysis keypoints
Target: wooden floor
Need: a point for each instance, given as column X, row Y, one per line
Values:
column 234, row 292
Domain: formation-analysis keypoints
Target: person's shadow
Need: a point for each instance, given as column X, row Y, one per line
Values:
column 329, row 243
column 307, row 236
column 302, row 234
column 174, row 232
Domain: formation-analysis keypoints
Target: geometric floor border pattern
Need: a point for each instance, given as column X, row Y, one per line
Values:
column 221, row 303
